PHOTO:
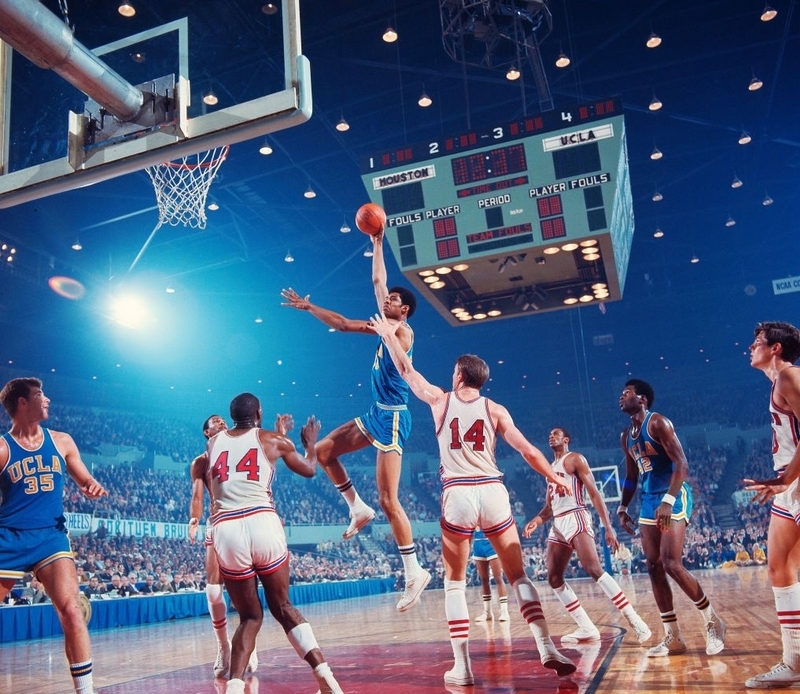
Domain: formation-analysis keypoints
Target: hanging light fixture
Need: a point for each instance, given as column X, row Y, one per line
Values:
column 694, row 260
column 289, row 257
column 768, row 14
column 310, row 193
column 655, row 103
column 767, row 201
column 730, row 222
column 563, row 59
column 736, row 182
column 213, row 206
column 513, row 73
column 269, row 8
column 368, row 252
column 266, row 148
column 656, row 154
column 657, row 196
column 744, row 138
column 755, row 84
column 570, row 298
column 390, row 35
column 424, row 100
column 210, row 99
column 77, row 245
column 654, row 40
column 126, row 9
column 342, row 126
column 345, row 228
column 658, row 233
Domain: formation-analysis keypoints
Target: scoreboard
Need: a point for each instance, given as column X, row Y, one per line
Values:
column 532, row 215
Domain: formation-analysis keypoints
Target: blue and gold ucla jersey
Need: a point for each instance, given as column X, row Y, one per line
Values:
column 655, row 466
column 388, row 387
column 32, row 484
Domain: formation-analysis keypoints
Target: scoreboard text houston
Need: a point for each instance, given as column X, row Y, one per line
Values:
column 540, row 207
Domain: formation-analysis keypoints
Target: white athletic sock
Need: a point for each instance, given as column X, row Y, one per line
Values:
column 531, row 608
column 218, row 610
column 570, row 601
column 787, row 605
column 611, row 588
column 82, row 677
column 348, row 491
column 455, row 607
column 408, row 553
column 705, row 608
column 670, row 622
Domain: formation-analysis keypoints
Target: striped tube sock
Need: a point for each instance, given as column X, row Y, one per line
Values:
column 408, row 553
column 455, row 607
column 570, row 601
column 670, row 622
column 82, row 677
column 611, row 588
column 787, row 605
column 530, row 607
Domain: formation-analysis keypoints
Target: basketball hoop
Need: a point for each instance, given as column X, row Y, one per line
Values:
column 182, row 187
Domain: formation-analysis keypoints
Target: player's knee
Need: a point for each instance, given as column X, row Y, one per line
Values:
column 554, row 581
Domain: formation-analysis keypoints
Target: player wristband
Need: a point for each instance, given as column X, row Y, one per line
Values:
column 668, row 499
column 622, row 509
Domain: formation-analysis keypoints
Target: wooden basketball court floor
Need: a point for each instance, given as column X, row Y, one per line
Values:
column 374, row 650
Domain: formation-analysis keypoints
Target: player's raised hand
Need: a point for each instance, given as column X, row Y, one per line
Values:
column 310, row 432
column 294, row 300
column 284, row 423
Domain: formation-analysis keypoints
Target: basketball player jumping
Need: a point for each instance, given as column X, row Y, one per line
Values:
column 386, row 426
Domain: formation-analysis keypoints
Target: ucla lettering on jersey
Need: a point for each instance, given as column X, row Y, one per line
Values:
column 32, row 484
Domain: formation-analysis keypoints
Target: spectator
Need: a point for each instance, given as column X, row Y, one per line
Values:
column 95, row 589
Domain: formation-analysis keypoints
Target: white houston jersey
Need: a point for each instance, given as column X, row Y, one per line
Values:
column 467, row 439
column 560, row 501
column 785, row 433
column 240, row 475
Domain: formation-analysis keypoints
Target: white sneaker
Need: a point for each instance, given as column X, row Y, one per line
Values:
column 671, row 644
column 359, row 517
column 781, row 676
column 413, row 591
column 580, row 635
column 252, row 664
column 715, row 635
column 484, row 617
column 223, row 662
column 552, row 659
column 235, row 687
column 504, row 616
column 464, row 678
column 640, row 629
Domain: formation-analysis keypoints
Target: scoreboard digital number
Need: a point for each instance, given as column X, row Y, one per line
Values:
column 528, row 184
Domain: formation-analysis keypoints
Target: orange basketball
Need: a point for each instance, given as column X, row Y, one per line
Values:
column 370, row 218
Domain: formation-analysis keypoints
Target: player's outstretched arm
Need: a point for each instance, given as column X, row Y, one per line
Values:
column 332, row 319
column 544, row 515
column 425, row 391
column 514, row 437
column 77, row 469
column 379, row 275
column 197, row 471
column 305, row 466
column 579, row 467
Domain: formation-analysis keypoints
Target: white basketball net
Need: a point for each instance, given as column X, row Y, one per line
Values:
column 182, row 187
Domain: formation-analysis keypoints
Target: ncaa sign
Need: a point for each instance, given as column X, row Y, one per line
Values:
column 786, row 286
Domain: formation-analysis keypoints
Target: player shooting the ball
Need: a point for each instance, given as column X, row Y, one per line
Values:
column 386, row 425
